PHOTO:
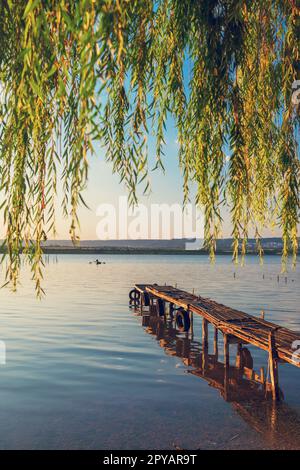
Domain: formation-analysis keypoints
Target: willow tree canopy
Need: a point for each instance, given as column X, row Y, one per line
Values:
column 74, row 72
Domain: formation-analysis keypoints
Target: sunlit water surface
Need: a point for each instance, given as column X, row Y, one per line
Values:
column 82, row 372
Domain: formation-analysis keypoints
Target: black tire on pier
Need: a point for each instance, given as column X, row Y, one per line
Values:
column 134, row 295
column 183, row 321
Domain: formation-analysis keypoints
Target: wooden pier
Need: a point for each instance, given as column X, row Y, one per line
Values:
column 236, row 326
column 244, row 389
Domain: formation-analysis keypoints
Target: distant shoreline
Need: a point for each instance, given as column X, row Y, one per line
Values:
column 271, row 246
column 143, row 251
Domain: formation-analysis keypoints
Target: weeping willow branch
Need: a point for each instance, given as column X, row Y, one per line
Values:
column 73, row 73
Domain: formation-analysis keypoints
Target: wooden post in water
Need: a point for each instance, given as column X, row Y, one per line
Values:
column 204, row 334
column 226, row 352
column 141, row 303
column 216, row 343
column 273, row 364
column 238, row 362
column 226, row 365
column 192, row 324
column 151, row 303
column 204, row 343
column 262, row 377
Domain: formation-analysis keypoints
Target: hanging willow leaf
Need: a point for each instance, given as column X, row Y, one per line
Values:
column 73, row 73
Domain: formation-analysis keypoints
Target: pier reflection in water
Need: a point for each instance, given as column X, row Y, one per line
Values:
column 247, row 391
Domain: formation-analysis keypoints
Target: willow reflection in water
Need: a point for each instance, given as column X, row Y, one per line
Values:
column 247, row 391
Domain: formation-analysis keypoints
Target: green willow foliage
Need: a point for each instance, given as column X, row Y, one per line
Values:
column 76, row 72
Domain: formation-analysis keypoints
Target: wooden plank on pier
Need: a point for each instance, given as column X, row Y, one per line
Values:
column 245, row 327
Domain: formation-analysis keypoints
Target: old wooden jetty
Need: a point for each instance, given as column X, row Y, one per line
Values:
column 244, row 388
column 236, row 326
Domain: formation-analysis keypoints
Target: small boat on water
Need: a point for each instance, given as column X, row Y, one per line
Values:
column 97, row 262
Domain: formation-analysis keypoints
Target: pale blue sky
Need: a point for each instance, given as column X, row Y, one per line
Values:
column 104, row 187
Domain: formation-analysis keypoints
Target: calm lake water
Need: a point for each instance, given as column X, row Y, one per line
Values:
column 84, row 371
